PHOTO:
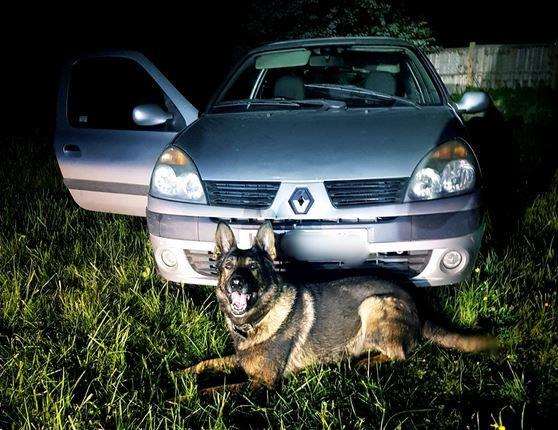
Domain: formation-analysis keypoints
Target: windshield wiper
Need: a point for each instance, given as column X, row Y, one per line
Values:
column 323, row 103
column 353, row 89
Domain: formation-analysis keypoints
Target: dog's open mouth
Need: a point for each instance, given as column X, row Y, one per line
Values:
column 239, row 302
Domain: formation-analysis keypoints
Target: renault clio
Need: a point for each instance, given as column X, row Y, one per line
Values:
column 351, row 147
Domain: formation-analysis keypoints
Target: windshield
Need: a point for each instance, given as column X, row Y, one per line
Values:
column 329, row 76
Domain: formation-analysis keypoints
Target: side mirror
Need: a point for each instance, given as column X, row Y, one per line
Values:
column 150, row 115
column 473, row 102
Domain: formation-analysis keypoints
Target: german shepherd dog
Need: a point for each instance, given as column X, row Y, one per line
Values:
column 278, row 328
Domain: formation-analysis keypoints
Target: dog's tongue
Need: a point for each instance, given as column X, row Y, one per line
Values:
column 239, row 300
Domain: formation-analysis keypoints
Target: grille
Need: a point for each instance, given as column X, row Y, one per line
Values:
column 202, row 262
column 409, row 262
column 256, row 195
column 365, row 192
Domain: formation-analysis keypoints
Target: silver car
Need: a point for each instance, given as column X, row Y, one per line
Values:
column 350, row 146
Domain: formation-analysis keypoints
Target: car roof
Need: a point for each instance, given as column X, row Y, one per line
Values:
column 342, row 41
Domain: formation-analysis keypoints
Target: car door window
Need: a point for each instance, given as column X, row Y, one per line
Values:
column 104, row 91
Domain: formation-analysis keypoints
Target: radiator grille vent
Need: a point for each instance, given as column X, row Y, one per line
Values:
column 365, row 192
column 253, row 195
column 409, row 263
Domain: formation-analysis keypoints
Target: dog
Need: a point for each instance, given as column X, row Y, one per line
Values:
column 279, row 328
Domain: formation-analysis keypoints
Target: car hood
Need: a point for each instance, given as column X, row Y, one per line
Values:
column 316, row 145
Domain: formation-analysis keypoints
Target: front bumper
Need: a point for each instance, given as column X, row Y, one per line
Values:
column 410, row 239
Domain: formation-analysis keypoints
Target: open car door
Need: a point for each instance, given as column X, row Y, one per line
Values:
column 116, row 113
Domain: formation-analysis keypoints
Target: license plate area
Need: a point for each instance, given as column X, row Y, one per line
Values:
column 347, row 246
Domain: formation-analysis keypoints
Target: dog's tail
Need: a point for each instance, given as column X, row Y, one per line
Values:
column 462, row 342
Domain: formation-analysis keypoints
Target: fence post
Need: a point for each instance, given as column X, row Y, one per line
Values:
column 470, row 66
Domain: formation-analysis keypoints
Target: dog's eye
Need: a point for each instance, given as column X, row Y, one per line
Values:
column 253, row 266
column 228, row 265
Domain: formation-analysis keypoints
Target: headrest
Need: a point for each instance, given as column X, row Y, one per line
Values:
column 289, row 87
column 382, row 82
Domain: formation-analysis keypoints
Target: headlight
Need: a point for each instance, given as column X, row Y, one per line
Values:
column 449, row 169
column 175, row 177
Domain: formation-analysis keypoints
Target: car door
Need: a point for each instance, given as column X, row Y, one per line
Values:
column 108, row 134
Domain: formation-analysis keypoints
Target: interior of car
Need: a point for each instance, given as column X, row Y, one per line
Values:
column 386, row 73
column 354, row 75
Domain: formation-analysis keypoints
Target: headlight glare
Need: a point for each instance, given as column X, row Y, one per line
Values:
column 175, row 177
column 193, row 188
column 164, row 180
column 426, row 184
column 447, row 170
column 457, row 176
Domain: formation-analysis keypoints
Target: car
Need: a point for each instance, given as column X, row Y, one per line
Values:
column 351, row 147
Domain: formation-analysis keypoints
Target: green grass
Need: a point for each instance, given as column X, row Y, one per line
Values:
column 90, row 336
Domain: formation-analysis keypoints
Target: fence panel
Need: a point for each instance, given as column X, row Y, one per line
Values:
column 498, row 66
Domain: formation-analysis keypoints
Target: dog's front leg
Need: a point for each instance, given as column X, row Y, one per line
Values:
column 221, row 364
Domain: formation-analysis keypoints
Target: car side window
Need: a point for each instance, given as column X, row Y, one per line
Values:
column 103, row 92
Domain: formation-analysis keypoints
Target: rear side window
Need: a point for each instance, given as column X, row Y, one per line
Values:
column 104, row 91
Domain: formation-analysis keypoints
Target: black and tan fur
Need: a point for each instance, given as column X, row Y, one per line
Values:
column 288, row 328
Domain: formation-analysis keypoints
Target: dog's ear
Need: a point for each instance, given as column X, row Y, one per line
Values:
column 265, row 239
column 224, row 240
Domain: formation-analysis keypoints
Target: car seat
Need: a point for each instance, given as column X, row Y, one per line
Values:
column 382, row 82
column 289, row 87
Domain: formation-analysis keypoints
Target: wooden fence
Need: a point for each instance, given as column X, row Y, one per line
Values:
column 498, row 66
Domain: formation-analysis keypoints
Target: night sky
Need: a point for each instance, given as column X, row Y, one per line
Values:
column 195, row 47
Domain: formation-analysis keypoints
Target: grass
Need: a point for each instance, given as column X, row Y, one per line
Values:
column 90, row 336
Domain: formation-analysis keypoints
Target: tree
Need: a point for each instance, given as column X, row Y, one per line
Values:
column 272, row 20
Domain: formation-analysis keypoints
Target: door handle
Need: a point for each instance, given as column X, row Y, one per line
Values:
column 71, row 149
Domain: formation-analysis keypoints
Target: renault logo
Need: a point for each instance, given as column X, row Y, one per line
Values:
column 301, row 201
